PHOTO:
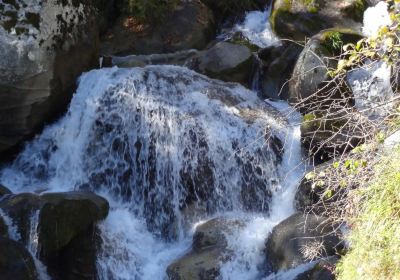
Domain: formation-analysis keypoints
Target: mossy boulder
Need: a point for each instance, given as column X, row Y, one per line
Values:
column 209, row 250
column 190, row 25
column 311, row 87
column 298, row 19
column 15, row 261
column 285, row 244
column 55, row 45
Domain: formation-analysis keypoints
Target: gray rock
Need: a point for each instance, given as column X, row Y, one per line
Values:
column 56, row 41
column 66, row 229
column 226, row 61
column 15, row 261
column 311, row 87
column 284, row 246
column 209, row 250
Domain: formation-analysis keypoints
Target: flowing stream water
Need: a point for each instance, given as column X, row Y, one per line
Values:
column 168, row 148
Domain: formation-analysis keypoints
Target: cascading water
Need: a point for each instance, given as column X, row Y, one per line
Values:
column 168, row 147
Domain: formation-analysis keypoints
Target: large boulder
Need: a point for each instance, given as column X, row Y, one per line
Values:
column 209, row 250
column 226, row 61
column 299, row 19
column 311, row 87
column 291, row 240
column 16, row 262
column 65, row 228
column 189, row 26
column 64, row 215
column 45, row 46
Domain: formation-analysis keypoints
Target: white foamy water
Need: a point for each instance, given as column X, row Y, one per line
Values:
column 257, row 29
column 375, row 18
column 248, row 243
column 372, row 89
column 155, row 141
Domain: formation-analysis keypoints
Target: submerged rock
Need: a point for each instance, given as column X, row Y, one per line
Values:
column 15, row 261
column 300, row 19
column 209, row 251
column 189, row 26
column 289, row 241
column 311, row 87
column 45, row 46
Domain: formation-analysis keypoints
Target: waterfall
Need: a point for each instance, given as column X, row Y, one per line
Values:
column 13, row 232
column 168, row 148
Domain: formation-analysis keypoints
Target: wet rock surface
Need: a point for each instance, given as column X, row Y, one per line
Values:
column 288, row 239
column 65, row 229
column 57, row 41
column 209, row 251
column 15, row 261
column 300, row 19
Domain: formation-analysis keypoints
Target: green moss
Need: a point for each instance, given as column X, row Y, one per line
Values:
column 375, row 242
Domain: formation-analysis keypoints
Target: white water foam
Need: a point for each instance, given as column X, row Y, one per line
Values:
column 160, row 123
column 248, row 243
column 372, row 89
column 375, row 18
column 13, row 232
column 257, row 29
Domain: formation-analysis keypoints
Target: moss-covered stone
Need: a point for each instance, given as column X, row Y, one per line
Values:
column 311, row 87
column 298, row 19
